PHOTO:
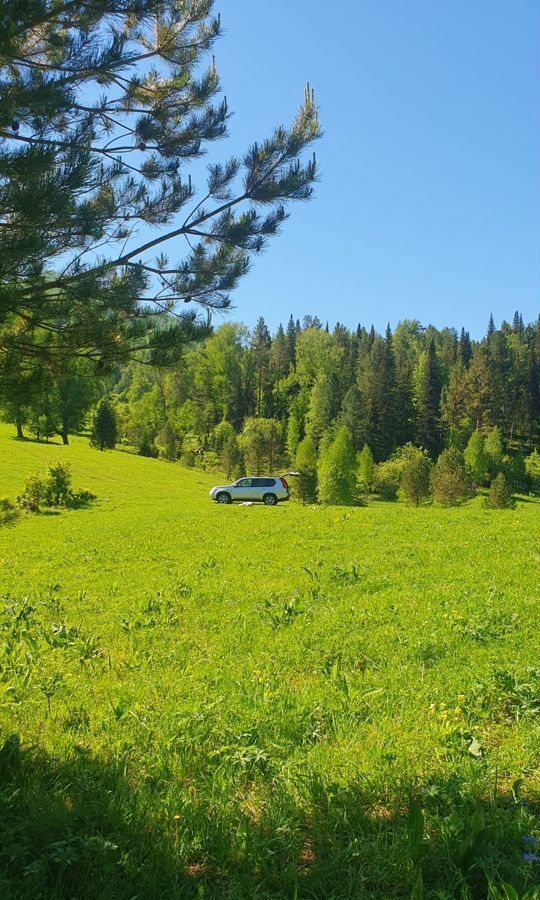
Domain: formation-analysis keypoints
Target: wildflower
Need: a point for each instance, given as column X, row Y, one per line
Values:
column 176, row 818
column 461, row 698
column 531, row 857
column 528, row 838
column 458, row 711
column 443, row 716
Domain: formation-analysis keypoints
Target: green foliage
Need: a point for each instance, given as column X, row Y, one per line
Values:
column 231, row 458
column 476, row 459
column 337, row 470
column 449, row 480
column 58, row 490
column 365, row 470
column 532, row 469
column 415, row 477
column 104, row 107
column 515, row 472
column 261, row 445
column 8, row 511
column 493, row 448
column 500, row 494
column 32, row 494
column 306, row 463
column 104, row 426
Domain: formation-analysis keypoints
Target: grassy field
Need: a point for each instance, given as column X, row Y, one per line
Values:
column 251, row 702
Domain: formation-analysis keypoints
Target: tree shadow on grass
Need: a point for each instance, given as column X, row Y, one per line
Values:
column 77, row 829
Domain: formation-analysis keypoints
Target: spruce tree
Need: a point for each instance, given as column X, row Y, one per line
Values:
column 104, row 106
column 337, row 470
column 104, row 427
column 499, row 494
column 428, row 401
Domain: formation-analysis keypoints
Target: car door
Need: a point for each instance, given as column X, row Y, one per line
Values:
column 242, row 489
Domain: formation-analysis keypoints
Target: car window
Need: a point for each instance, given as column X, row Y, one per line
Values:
column 268, row 482
column 244, row 482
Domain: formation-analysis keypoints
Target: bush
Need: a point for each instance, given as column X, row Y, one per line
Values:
column 415, row 484
column 532, row 468
column 449, row 481
column 500, row 494
column 146, row 447
column 32, row 493
column 8, row 511
column 57, row 486
column 476, row 458
column 387, row 478
column 104, row 426
column 188, row 459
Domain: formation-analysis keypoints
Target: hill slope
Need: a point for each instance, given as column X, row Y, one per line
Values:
column 230, row 702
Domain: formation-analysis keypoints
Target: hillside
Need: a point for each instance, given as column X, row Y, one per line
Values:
column 237, row 702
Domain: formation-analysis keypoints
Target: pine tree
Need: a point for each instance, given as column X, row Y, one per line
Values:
column 500, row 494
column 476, row 459
column 104, row 106
column 104, row 427
column 291, row 343
column 464, row 348
column 449, row 481
column 415, row 477
column 491, row 326
column 306, row 463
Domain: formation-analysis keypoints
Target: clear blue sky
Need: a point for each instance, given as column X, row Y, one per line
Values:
column 429, row 203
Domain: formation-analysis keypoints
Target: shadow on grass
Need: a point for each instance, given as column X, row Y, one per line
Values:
column 78, row 829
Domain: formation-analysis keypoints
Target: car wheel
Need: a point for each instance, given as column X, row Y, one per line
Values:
column 224, row 497
column 270, row 499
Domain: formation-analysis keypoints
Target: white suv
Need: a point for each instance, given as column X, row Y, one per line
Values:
column 268, row 490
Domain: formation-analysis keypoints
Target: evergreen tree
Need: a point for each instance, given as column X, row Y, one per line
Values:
column 306, row 463
column 428, row 400
column 500, row 494
column 415, row 477
column 476, row 458
column 337, row 470
column 291, row 343
column 104, row 106
column 464, row 348
column 104, row 426
column 351, row 415
column 449, row 481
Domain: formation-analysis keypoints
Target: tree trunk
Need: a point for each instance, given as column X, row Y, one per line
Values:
column 64, row 436
column 20, row 433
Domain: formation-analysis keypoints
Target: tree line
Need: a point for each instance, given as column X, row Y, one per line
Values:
column 253, row 401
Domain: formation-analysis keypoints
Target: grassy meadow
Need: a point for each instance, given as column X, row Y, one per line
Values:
column 228, row 702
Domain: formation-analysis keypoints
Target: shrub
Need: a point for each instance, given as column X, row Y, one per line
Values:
column 449, row 481
column 493, row 447
column 306, row 463
column 386, row 479
column 188, row 459
column 414, row 484
column 500, row 494
column 57, row 486
column 532, row 468
column 146, row 447
column 337, row 470
column 8, row 511
column 32, row 494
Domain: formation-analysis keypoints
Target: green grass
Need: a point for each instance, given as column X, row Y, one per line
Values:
column 250, row 702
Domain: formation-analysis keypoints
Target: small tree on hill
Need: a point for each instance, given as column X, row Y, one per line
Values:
column 515, row 472
column 532, row 468
column 365, row 470
column 306, row 463
column 260, row 442
column 104, row 428
column 449, row 481
column 337, row 470
column 476, row 459
column 500, row 494
column 415, row 483
column 231, row 458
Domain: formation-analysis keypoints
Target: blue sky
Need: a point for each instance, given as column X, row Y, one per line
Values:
column 429, row 203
